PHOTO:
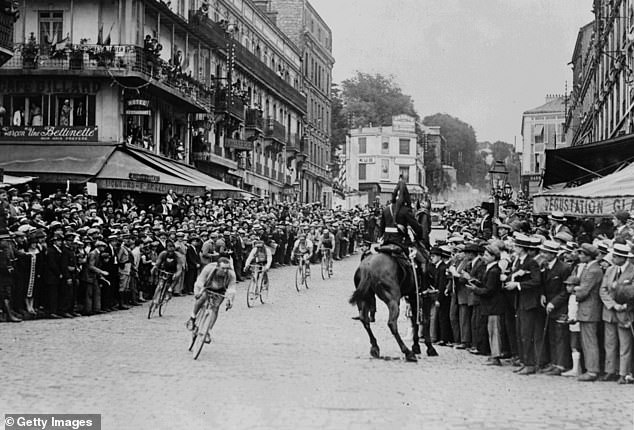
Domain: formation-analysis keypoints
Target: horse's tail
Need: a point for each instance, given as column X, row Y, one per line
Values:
column 363, row 283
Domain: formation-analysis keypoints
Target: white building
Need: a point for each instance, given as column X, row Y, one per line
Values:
column 376, row 157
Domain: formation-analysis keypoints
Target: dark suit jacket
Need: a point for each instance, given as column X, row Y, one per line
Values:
column 54, row 272
column 439, row 277
column 476, row 271
column 554, row 288
column 490, row 292
column 528, row 297
column 192, row 258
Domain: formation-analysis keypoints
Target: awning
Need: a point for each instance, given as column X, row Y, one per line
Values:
column 602, row 197
column 581, row 164
column 10, row 180
column 54, row 162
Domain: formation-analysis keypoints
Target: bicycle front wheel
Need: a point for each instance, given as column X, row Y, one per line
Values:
column 252, row 295
column 201, row 335
column 324, row 267
column 155, row 300
column 163, row 302
column 299, row 277
column 264, row 290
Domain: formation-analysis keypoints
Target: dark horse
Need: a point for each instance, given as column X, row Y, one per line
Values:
column 380, row 275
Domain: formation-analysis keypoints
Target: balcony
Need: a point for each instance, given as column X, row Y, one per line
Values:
column 280, row 177
column 214, row 157
column 230, row 104
column 292, row 146
column 254, row 120
column 131, row 64
column 258, row 168
column 274, row 136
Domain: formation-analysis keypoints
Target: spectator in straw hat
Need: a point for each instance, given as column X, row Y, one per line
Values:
column 617, row 319
column 558, row 223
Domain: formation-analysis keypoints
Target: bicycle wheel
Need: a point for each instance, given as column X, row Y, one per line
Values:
column 306, row 275
column 201, row 335
column 324, row 266
column 252, row 294
column 264, row 289
column 194, row 333
column 329, row 265
column 155, row 300
column 163, row 303
column 298, row 276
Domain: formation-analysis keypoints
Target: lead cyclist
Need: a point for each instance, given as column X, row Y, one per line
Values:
column 218, row 278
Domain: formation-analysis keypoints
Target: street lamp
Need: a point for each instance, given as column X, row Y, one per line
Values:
column 500, row 188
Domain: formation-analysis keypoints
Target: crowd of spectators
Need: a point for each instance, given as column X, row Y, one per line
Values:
column 543, row 293
column 64, row 256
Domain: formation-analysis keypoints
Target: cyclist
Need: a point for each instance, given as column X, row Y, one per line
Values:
column 303, row 248
column 169, row 261
column 262, row 255
column 326, row 243
column 217, row 278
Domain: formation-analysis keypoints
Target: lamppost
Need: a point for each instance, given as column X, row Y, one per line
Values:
column 500, row 188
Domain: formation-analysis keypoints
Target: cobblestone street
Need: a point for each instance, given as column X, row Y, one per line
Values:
column 298, row 362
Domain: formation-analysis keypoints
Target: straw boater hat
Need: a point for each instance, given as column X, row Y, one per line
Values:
column 550, row 246
column 557, row 216
column 621, row 250
column 524, row 241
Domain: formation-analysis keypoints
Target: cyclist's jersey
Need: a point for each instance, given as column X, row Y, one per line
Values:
column 260, row 255
column 206, row 281
column 304, row 248
column 170, row 264
column 327, row 240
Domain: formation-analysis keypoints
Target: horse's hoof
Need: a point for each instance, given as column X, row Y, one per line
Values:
column 431, row 352
column 416, row 348
column 374, row 352
column 411, row 357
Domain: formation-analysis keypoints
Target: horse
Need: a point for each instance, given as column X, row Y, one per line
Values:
column 380, row 275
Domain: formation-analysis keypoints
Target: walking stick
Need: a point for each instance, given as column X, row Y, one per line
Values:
column 543, row 343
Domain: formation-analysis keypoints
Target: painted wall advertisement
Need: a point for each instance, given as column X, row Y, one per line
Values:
column 49, row 133
column 582, row 206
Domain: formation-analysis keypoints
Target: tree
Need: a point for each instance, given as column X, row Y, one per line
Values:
column 461, row 145
column 339, row 125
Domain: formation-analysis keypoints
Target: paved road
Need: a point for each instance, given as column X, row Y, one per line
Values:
column 297, row 363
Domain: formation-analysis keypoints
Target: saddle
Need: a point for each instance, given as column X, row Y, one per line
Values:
column 400, row 255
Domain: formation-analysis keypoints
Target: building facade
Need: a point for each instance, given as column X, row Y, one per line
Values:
column 378, row 157
column 305, row 27
column 542, row 128
column 9, row 14
column 215, row 84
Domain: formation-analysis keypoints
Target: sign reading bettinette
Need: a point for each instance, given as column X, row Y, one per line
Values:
column 49, row 133
column 582, row 206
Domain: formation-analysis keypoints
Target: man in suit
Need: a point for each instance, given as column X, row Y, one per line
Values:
column 54, row 276
column 93, row 273
column 622, row 232
column 193, row 262
column 485, row 226
column 589, row 309
column 558, row 221
column 554, row 274
column 526, row 280
column 440, row 280
column 479, row 336
column 616, row 318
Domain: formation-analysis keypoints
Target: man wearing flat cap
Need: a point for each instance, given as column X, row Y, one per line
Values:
column 589, row 310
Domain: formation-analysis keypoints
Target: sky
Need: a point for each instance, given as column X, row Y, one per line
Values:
column 483, row 61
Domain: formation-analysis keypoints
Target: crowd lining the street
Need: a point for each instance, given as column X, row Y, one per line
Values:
column 542, row 293
column 64, row 256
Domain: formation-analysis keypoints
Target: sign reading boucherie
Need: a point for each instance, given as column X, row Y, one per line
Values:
column 49, row 133
column 582, row 206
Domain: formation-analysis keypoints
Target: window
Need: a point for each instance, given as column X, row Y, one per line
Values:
column 403, row 146
column 362, row 173
column 385, row 168
column 403, row 172
column 75, row 111
column 539, row 133
column 51, row 26
column 362, row 145
column 45, row 110
column 385, row 147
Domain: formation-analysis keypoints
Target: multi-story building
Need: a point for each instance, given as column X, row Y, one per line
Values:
column 211, row 83
column 8, row 16
column 305, row 27
column 378, row 157
column 542, row 128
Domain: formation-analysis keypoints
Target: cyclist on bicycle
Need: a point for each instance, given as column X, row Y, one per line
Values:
column 326, row 243
column 261, row 255
column 217, row 278
column 303, row 248
column 170, row 262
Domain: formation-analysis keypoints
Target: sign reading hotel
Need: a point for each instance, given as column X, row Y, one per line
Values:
column 582, row 206
column 49, row 134
column 367, row 160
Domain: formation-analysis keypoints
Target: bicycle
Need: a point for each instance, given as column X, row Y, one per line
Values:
column 162, row 294
column 204, row 323
column 257, row 287
column 302, row 273
column 326, row 262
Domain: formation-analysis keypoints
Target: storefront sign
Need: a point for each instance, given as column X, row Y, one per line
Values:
column 367, row 160
column 34, row 85
column 140, row 177
column 243, row 145
column 49, row 133
column 582, row 206
column 138, row 107
column 404, row 161
column 148, row 187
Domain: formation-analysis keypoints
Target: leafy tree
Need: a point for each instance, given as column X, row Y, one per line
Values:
column 460, row 151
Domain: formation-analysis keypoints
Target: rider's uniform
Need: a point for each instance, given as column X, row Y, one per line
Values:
column 303, row 249
column 206, row 282
column 327, row 241
column 260, row 255
column 393, row 226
